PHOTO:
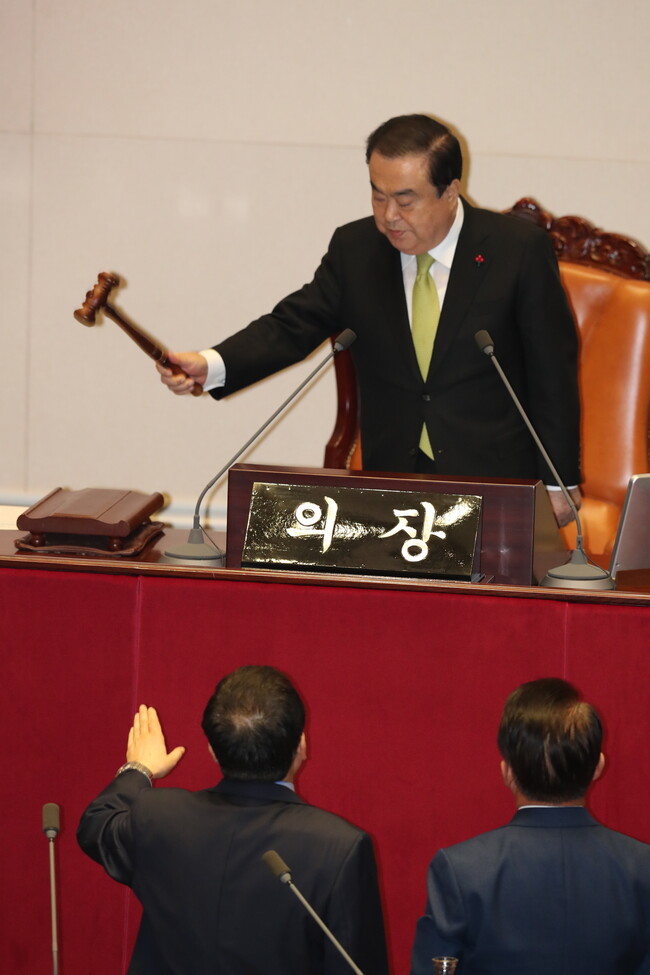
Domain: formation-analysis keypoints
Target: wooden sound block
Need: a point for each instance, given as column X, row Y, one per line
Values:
column 106, row 519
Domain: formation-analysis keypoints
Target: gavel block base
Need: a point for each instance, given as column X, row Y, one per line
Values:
column 91, row 521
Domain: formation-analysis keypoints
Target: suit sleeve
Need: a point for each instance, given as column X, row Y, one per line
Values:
column 105, row 828
column 297, row 325
column 441, row 930
column 354, row 914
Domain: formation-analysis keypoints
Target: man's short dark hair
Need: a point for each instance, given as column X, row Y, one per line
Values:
column 551, row 740
column 254, row 722
column 407, row 135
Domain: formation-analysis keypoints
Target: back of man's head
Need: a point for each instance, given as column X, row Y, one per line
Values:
column 551, row 740
column 254, row 722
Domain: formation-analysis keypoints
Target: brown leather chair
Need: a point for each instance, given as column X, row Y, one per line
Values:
column 607, row 279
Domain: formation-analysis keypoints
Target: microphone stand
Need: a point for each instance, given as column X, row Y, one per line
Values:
column 196, row 550
column 579, row 572
column 51, row 827
column 279, row 869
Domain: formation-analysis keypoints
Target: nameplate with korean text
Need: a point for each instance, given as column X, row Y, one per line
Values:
column 363, row 530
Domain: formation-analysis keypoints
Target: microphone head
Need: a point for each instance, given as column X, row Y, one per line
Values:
column 344, row 340
column 51, row 820
column 277, row 866
column 484, row 341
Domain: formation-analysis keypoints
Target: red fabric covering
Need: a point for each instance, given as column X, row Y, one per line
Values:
column 404, row 693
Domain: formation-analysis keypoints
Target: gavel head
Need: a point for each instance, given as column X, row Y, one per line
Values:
column 97, row 298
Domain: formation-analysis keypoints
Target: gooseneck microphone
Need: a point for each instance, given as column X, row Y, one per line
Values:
column 281, row 871
column 51, row 827
column 196, row 551
column 579, row 572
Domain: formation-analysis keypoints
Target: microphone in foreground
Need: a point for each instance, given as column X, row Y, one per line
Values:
column 51, row 820
column 51, row 827
column 277, row 866
column 196, row 551
column 281, row 872
column 579, row 572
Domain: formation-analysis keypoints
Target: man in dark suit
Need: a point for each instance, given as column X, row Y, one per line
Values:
column 553, row 891
column 193, row 859
column 449, row 414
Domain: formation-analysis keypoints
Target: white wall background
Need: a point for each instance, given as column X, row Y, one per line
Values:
column 205, row 151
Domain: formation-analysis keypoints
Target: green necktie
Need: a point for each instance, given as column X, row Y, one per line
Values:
column 425, row 313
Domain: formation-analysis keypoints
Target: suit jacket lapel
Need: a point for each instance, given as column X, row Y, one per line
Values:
column 388, row 288
column 465, row 277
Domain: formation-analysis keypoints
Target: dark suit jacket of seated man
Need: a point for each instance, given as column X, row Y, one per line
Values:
column 491, row 271
column 210, row 905
column 553, row 890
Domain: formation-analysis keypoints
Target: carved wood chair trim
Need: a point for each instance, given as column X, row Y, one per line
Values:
column 580, row 242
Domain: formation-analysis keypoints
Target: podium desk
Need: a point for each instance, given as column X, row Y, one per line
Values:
column 404, row 682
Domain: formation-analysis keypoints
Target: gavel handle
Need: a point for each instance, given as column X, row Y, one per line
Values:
column 147, row 344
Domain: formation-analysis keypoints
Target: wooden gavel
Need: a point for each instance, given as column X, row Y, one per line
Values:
column 97, row 300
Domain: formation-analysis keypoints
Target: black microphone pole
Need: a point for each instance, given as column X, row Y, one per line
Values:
column 579, row 572
column 51, row 827
column 279, row 869
column 196, row 551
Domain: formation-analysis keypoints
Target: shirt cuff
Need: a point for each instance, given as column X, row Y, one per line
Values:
column 216, row 369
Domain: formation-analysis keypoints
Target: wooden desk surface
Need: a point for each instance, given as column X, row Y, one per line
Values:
column 632, row 587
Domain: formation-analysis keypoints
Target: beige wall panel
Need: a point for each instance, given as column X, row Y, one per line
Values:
column 15, row 334
column 207, row 238
column 513, row 75
column 16, row 28
column 605, row 192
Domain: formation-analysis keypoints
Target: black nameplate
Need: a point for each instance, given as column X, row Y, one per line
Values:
column 344, row 529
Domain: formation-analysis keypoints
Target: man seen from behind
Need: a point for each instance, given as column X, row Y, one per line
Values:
column 553, row 890
column 193, row 859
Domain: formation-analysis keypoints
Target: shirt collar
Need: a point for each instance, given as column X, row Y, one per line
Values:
column 550, row 805
column 443, row 252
